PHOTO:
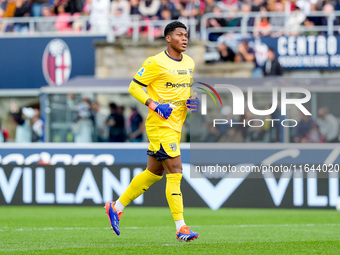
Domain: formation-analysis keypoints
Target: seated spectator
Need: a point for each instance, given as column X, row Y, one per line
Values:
column 328, row 125
column 99, row 16
column 149, row 8
column 294, row 21
column 63, row 22
column 303, row 128
column 309, row 24
column 246, row 8
column 305, row 6
column 328, row 9
column 46, row 25
column 22, row 9
column 189, row 9
column 314, row 136
column 121, row 6
column 209, row 6
column 216, row 23
column 278, row 22
column 134, row 7
column 120, row 22
column 262, row 25
column 227, row 5
column 272, row 66
column 169, row 7
column 245, row 53
column 226, row 53
column 37, row 6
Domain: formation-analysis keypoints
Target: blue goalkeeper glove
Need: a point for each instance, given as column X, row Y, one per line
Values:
column 193, row 104
column 163, row 110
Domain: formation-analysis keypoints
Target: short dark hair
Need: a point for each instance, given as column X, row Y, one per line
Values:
column 172, row 26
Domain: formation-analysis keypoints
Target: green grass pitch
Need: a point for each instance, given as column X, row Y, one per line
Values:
column 85, row 230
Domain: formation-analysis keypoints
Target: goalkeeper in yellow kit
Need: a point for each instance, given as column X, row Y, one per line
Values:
column 168, row 79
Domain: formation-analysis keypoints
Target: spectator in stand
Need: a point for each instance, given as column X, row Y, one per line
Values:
column 149, row 8
column 134, row 9
column 63, row 22
column 37, row 6
column 37, row 127
column 328, row 125
column 46, row 25
column 83, row 127
column 328, row 9
column 246, row 8
column 23, row 133
column 227, row 45
column 245, row 53
column 120, row 22
column 295, row 21
column 314, row 136
column 272, row 66
column 4, row 134
column 189, row 9
column 122, row 6
column 136, row 125
column 309, row 24
column 99, row 16
column 100, row 114
column 169, row 7
column 257, row 4
column 227, row 5
column 22, row 9
column 303, row 128
column 305, row 5
column 226, row 53
column 209, row 6
column 262, row 25
column 116, row 124
column 216, row 23
column 278, row 22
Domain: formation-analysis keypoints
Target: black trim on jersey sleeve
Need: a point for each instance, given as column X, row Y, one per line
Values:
column 138, row 82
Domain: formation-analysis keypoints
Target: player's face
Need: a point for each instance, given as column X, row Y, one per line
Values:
column 179, row 39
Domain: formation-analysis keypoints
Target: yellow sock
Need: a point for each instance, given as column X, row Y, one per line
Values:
column 139, row 184
column 174, row 195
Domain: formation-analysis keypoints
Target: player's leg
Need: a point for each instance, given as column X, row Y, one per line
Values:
column 139, row 184
column 173, row 168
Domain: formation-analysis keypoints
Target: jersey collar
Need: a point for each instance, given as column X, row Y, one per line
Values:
column 178, row 60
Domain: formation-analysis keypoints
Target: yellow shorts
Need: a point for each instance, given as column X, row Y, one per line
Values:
column 164, row 142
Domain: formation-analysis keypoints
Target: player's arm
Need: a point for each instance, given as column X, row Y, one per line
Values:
column 147, row 74
column 163, row 110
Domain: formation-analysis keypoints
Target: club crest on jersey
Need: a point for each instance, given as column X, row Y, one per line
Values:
column 173, row 146
column 56, row 63
column 141, row 71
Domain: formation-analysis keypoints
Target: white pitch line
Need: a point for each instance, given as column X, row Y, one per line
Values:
column 196, row 226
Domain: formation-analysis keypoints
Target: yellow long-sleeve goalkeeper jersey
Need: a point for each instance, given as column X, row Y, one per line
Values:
column 168, row 80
